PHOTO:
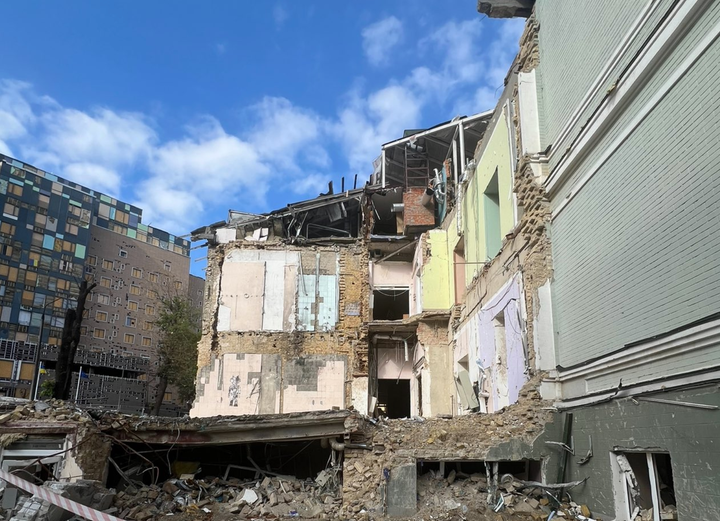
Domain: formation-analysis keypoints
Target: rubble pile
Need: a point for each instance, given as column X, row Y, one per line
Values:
column 467, row 496
column 397, row 442
column 23, row 507
column 266, row 497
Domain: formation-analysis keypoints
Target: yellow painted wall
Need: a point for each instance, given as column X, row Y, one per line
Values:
column 496, row 156
column 436, row 283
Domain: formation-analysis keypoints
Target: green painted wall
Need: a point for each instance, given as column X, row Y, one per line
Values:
column 480, row 213
column 568, row 68
column 636, row 251
column 691, row 436
column 437, row 292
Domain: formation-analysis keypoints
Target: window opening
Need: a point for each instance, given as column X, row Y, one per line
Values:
column 394, row 398
column 491, row 206
column 391, row 304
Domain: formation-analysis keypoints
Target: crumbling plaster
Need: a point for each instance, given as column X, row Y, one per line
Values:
column 337, row 355
column 526, row 248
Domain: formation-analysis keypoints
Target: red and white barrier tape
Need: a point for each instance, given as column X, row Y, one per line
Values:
column 56, row 499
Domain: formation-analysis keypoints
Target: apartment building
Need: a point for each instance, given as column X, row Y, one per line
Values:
column 54, row 233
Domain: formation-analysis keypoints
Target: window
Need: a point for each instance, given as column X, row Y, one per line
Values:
column 132, row 305
column 166, row 266
column 178, row 284
column 153, row 277
column 15, row 189
column 103, row 299
column 123, row 254
column 129, row 322
column 108, row 264
column 146, row 341
column 43, row 201
column 137, row 273
column 390, row 304
column 11, row 210
column 644, row 485
column 101, row 316
column 129, row 338
column 72, row 229
column 98, row 333
column 7, row 228
column 147, row 326
column 152, row 293
column 491, row 204
column 92, row 260
column 149, row 310
column 66, row 266
column 24, row 318
column 134, row 290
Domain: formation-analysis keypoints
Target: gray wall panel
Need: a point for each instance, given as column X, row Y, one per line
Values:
column 636, row 251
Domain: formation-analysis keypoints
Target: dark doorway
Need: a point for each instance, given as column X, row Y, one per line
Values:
column 391, row 304
column 394, row 398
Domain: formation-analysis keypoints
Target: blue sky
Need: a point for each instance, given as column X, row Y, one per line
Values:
column 188, row 109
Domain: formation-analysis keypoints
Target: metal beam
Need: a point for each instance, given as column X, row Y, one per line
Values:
column 447, row 125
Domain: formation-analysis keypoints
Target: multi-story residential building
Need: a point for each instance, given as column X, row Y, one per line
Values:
column 54, row 233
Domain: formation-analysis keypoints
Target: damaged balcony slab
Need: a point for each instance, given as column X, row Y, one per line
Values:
column 227, row 430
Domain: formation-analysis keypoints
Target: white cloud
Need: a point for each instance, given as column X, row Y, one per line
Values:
column 282, row 147
column 15, row 112
column 283, row 132
column 208, row 166
column 365, row 123
column 101, row 136
column 311, row 184
column 280, row 16
column 460, row 72
column 380, row 38
column 94, row 176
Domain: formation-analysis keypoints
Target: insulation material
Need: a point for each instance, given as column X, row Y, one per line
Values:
column 241, row 297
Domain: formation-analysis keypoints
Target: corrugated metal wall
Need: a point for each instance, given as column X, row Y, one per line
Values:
column 636, row 251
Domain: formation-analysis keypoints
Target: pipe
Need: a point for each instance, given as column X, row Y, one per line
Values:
column 333, row 443
column 382, row 170
column 455, row 165
column 397, row 339
column 461, row 132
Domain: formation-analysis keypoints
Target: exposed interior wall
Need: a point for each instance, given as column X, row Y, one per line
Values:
column 391, row 274
column 278, row 291
column 438, row 386
column 261, row 371
column 437, row 287
column 493, row 344
column 488, row 203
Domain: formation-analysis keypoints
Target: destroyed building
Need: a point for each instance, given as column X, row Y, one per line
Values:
column 519, row 303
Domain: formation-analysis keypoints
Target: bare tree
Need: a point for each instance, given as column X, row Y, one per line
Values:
column 69, row 342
